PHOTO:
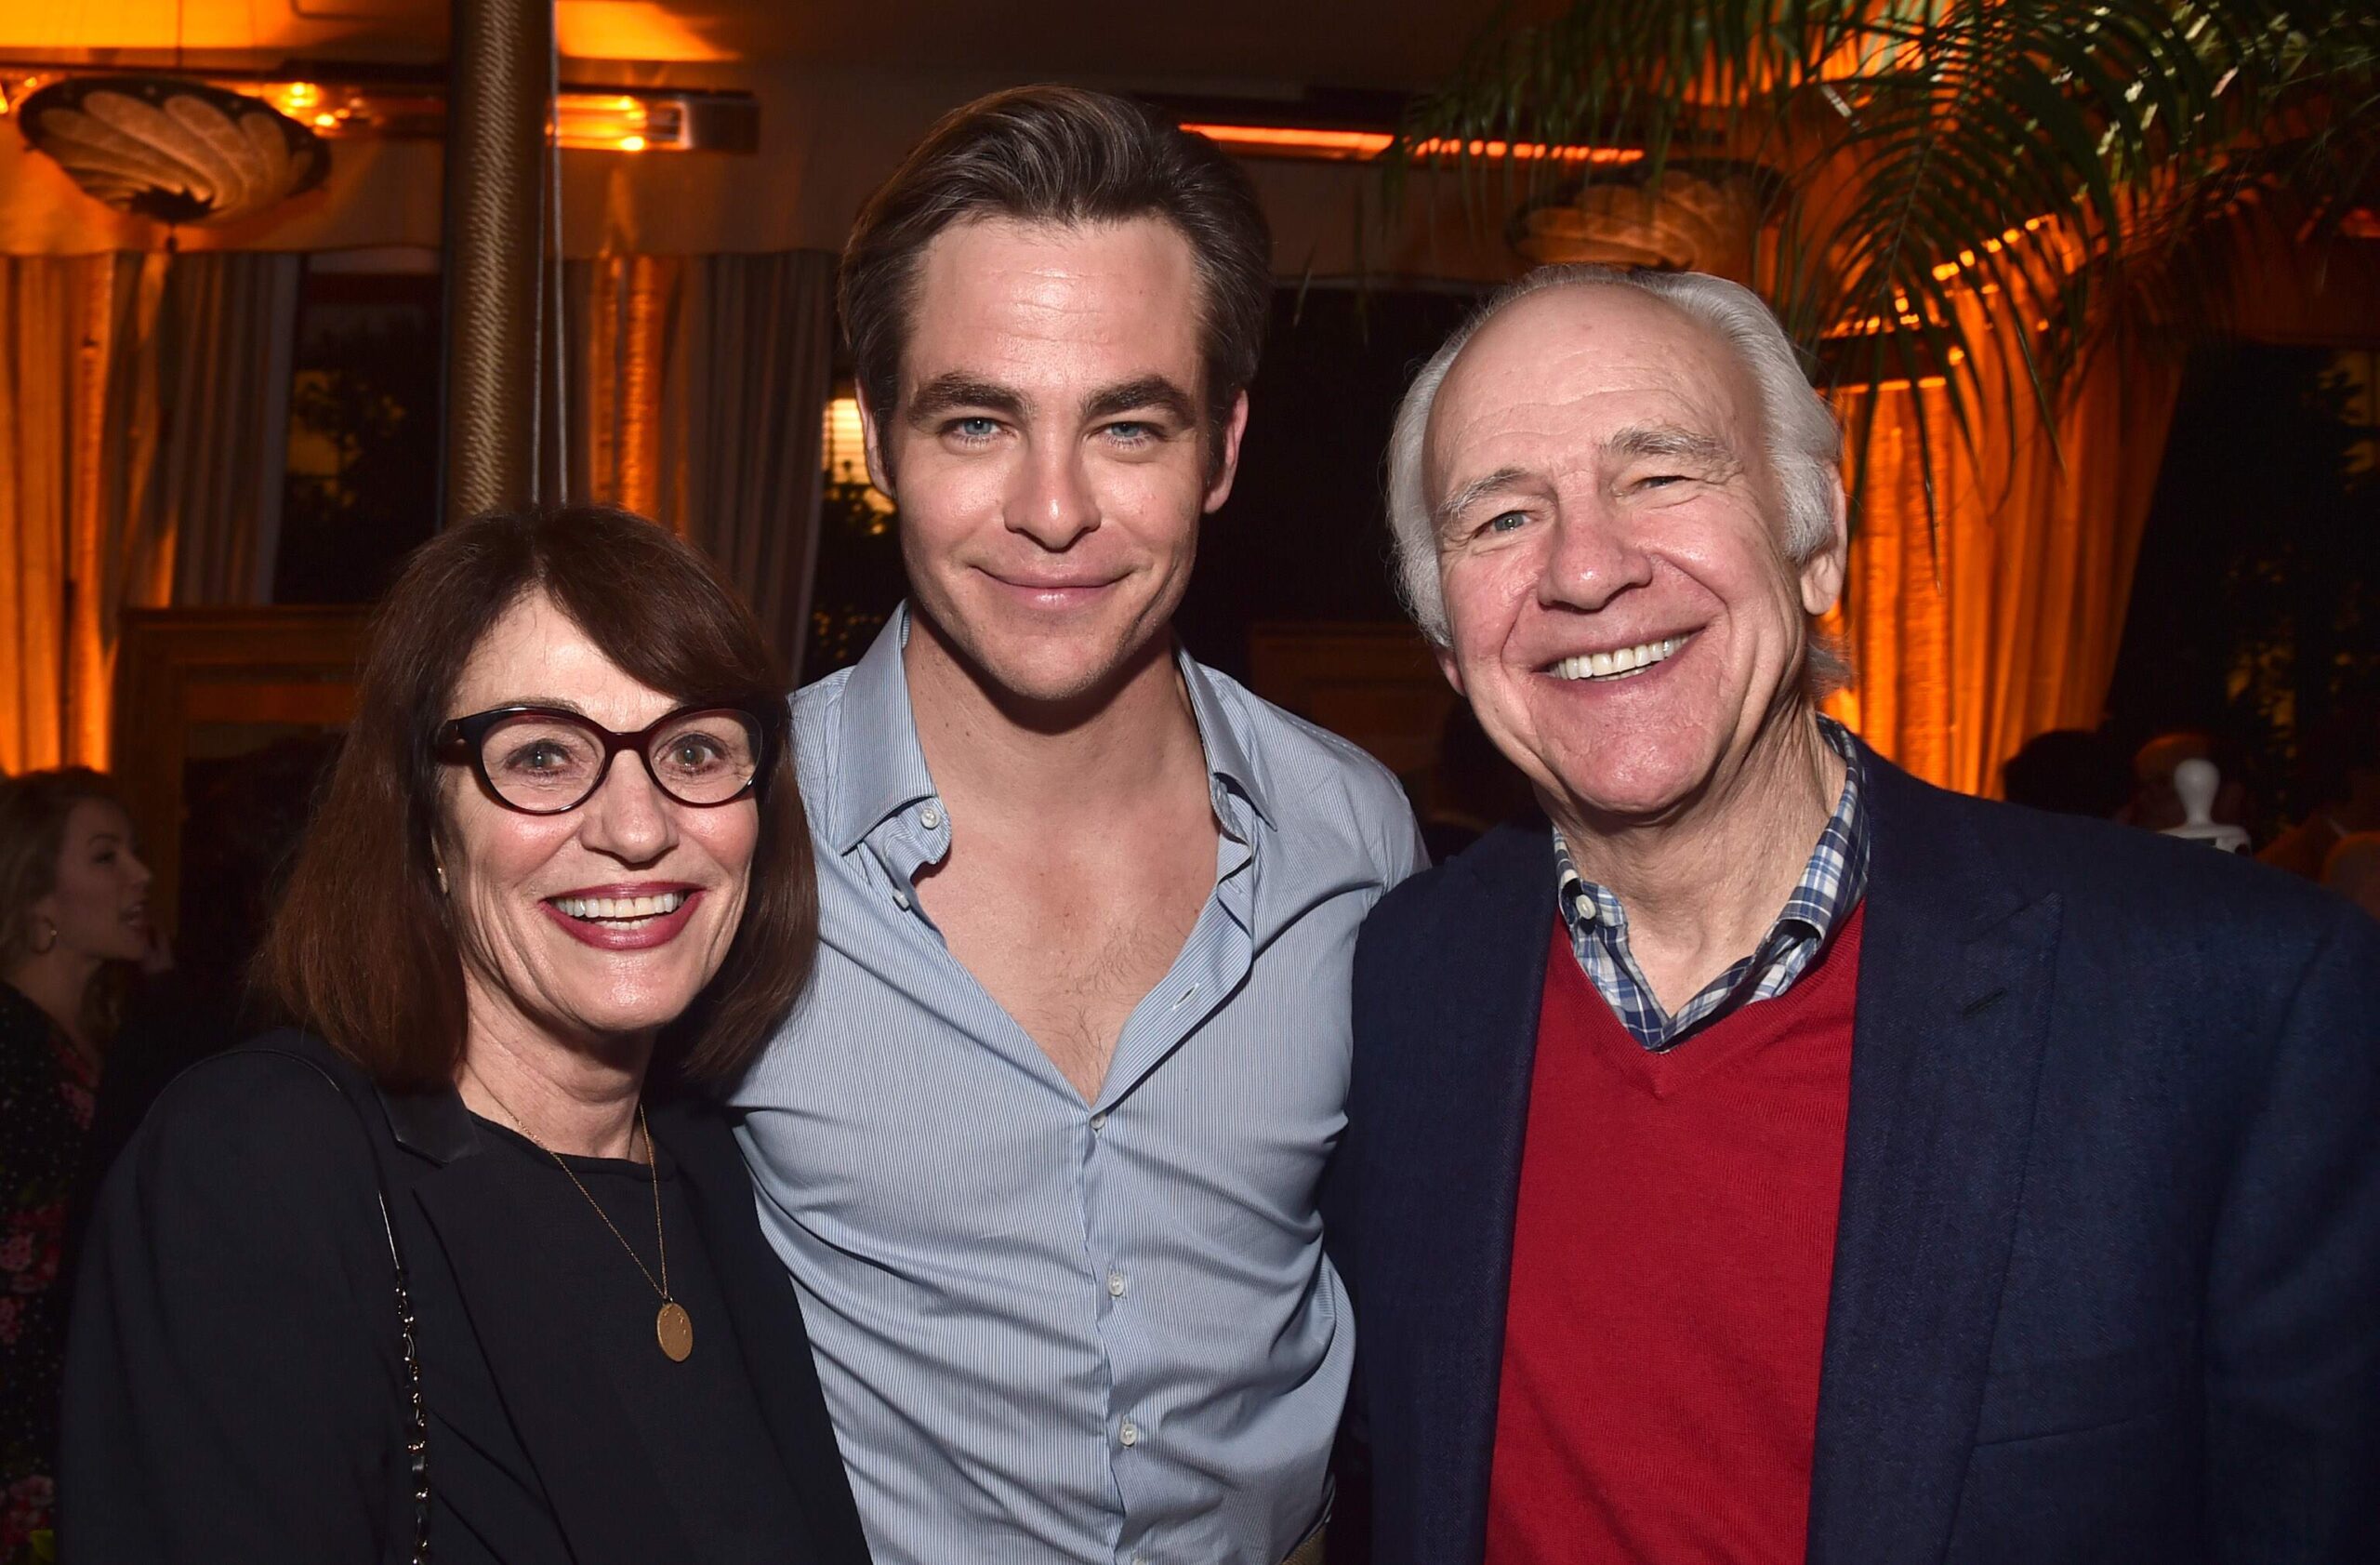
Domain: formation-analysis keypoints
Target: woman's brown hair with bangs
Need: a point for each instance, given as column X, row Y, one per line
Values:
column 363, row 950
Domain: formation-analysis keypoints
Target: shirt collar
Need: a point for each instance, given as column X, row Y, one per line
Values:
column 1831, row 883
column 1228, row 759
column 880, row 769
column 1836, row 876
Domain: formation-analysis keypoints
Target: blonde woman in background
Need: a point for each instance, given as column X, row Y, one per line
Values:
column 73, row 919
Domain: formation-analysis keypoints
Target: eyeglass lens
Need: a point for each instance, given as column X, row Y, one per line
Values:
column 535, row 762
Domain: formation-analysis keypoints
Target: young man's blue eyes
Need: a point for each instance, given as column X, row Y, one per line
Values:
column 978, row 429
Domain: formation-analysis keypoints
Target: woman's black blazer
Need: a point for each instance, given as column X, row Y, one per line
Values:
column 198, row 1428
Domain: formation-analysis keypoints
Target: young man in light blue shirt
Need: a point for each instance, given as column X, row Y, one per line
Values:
column 1040, row 1145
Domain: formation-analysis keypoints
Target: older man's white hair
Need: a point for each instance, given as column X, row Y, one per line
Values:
column 1805, row 441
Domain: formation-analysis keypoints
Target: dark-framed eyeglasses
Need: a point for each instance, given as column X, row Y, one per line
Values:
column 543, row 761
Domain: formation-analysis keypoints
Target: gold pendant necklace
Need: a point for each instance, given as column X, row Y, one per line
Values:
column 671, row 1325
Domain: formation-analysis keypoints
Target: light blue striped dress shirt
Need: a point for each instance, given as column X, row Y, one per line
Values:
column 1052, row 1330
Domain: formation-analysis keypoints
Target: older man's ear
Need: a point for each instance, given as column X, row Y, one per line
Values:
column 1822, row 571
column 1444, row 653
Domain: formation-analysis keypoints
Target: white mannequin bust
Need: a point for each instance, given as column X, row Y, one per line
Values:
column 2196, row 782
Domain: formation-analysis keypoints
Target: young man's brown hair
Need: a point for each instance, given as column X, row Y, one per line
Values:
column 1054, row 154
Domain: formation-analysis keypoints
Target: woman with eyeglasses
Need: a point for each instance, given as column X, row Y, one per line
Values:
column 468, row 1269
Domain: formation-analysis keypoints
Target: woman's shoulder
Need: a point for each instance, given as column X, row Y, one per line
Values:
column 276, row 1114
column 274, row 1075
column 25, row 1031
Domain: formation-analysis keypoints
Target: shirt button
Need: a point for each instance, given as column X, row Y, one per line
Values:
column 1115, row 1285
column 929, row 817
column 901, row 900
column 1129, row 1434
column 1098, row 1122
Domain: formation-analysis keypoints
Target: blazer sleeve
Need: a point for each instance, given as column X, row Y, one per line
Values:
column 233, row 1372
column 2293, row 1307
column 1341, row 1202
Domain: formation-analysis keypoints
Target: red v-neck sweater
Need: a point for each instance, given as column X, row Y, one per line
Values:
column 1671, row 1256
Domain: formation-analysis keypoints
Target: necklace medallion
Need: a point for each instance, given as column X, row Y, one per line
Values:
column 672, row 1327
column 676, row 1331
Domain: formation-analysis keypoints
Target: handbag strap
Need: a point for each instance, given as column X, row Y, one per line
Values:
column 418, row 1432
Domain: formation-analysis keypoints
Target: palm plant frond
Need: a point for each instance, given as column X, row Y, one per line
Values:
column 1979, row 189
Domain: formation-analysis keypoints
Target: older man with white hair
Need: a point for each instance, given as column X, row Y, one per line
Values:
column 1782, row 1159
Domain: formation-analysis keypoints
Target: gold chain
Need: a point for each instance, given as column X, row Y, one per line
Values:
column 660, row 1240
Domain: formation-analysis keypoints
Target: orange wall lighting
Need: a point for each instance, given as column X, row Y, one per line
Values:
column 1362, row 146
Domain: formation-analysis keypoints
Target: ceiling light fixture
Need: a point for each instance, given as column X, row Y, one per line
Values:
column 174, row 150
column 382, row 105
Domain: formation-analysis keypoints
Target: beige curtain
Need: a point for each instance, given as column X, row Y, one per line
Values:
column 143, row 413
column 697, row 387
column 1999, row 617
column 59, row 318
column 222, row 362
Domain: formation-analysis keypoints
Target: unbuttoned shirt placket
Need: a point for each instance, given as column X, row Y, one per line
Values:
column 1213, row 963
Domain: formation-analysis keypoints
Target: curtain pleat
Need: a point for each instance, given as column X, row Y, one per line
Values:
column 64, row 323
column 226, row 345
column 41, row 329
column 698, row 390
column 1999, row 616
column 625, row 391
column 761, row 365
column 144, row 408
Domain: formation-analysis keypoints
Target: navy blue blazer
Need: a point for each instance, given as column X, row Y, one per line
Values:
column 2107, row 1275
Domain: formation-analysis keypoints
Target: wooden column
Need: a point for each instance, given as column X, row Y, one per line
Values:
column 496, row 137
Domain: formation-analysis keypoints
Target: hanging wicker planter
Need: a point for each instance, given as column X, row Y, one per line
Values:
column 1698, row 215
column 177, row 150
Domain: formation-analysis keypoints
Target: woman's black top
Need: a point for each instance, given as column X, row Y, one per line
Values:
column 698, row 1421
column 235, row 1387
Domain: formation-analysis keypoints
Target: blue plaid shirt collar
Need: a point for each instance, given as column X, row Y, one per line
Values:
column 1830, row 888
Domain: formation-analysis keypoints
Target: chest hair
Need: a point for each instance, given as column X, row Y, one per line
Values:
column 1069, row 952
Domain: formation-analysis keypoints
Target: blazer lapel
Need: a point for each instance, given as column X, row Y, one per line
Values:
column 1955, row 979
column 767, row 1318
column 1453, row 1174
column 587, row 1453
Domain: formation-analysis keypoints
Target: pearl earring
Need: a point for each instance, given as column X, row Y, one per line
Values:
column 42, row 948
column 439, row 870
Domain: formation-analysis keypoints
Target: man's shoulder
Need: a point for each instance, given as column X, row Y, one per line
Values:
column 818, row 741
column 814, row 705
column 1309, row 771
column 2115, row 876
column 1508, row 862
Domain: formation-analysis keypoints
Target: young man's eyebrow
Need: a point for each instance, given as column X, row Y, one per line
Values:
column 1148, row 391
column 1471, row 493
column 945, row 393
